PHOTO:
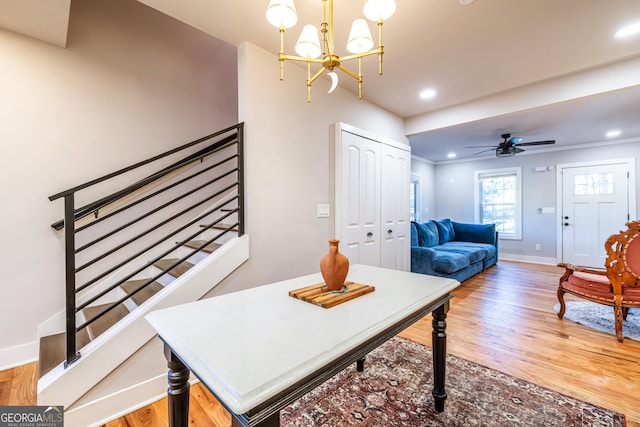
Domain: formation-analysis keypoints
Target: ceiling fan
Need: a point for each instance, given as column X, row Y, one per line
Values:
column 510, row 146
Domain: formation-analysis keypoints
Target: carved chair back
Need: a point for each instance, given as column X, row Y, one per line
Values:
column 623, row 258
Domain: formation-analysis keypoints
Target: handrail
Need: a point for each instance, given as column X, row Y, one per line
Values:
column 100, row 203
column 142, row 163
column 219, row 182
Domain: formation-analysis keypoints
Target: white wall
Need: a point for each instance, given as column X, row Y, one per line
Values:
column 131, row 83
column 288, row 163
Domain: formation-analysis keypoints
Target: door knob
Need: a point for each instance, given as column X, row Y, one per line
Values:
column 369, row 234
column 566, row 217
column 389, row 231
column 566, row 223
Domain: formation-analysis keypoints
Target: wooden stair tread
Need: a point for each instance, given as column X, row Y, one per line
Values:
column 210, row 248
column 53, row 351
column 220, row 226
column 150, row 290
column 98, row 327
column 176, row 271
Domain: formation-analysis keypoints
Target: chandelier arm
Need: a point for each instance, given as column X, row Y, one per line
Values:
column 300, row 58
column 360, row 55
column 281, row 55
column 310, row 79
column 349, row 72
column 308, row 82
column 331, row 48
column 359, row 78
column 380, row 48
column 316, row 75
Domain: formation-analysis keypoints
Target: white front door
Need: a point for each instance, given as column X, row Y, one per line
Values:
column 395, row 175
column 595, row 205
column 359, row 193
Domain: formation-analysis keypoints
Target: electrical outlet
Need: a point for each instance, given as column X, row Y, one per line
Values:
column 537, row 246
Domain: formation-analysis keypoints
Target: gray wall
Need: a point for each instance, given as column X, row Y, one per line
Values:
column 454, row 192
column 288, row 167
column 426, row 171
column 131, row 83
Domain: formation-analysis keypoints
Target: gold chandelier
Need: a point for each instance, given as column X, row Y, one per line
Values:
column 282, row 15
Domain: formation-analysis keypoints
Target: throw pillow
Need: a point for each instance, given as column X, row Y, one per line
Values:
column 445, row 229
column 414, row 234
column 477, row 233
column 427, row 234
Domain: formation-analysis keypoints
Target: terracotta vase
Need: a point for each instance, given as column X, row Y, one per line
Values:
column 334, row 267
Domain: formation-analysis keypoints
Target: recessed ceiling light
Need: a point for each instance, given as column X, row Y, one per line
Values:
column 451, row 155
column 465, row 2
column 428, row 94
column 628, row 31
column 613, row 133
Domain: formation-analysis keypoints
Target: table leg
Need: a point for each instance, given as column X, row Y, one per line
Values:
column 178, row 391
column 360, row 364
column 439, row 345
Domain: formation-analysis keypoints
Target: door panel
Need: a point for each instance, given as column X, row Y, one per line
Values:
column 595, row 205
column 359, row 196
column 395, row 179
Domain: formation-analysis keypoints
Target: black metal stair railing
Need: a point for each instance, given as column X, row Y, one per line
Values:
column 183, row 200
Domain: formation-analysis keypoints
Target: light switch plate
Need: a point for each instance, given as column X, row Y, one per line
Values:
column 324, row 211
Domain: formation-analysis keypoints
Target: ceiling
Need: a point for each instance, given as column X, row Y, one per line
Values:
column 535, row 68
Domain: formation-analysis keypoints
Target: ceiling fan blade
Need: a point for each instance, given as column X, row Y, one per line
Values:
column 482, row 146
column 484, row 151
column 536, row 143
column 517, row 150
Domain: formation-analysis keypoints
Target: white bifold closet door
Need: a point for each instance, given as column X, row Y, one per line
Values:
column 371, row 180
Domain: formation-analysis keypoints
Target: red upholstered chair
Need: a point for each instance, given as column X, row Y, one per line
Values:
column 617, row 286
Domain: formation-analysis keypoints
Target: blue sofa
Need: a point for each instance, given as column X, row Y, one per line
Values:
column 453, row 249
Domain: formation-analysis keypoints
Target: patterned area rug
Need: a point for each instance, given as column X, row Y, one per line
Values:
column 600, row 317
column 395, row 390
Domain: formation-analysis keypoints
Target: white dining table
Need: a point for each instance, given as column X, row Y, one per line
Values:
column 259, row 349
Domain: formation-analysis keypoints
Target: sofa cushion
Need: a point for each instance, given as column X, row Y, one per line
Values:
column 450, row 262
column 445, row 230
column 427, row 234
column 491, row 250
column 480, row 233
column 414, row 234
column 474, row 252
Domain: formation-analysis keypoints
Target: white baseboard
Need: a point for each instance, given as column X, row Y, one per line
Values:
column 527, row 258
column 19, row 355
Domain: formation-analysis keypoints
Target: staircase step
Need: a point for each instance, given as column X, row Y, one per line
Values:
column 220, row 226
column 210, row 248
column 53, row 350
column 133, row 285
column 176, row 271
column 105, row 322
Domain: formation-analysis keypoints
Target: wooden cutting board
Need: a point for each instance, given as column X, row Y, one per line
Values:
column 319, row 294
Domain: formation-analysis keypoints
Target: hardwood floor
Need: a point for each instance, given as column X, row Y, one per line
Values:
column 502, row 318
